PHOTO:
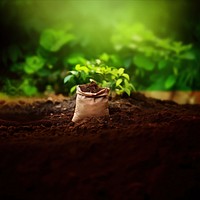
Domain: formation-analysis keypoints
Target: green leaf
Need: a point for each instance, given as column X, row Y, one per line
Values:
column 188, row 56
column 118, row 82
column 158, row 84
column 114, row 72
column 98, row 77
column 28, row 88
column 75, row 58
column 85, row 69
column 127, row 90
column 105, row 57
column 120, row 71
column 53, row 40
column 105, row 83
column 75, row 73
column 82, row 68
column 162, row 64
column 33, row 64
column 143, row 62
column 77, row 67
column 73, row 89
column 84, row 76
column 126, row 76
column 68, row 78
column 126, row 83
column 171, row 80
column 175, row 70
column 132, row 87
column 99, row 70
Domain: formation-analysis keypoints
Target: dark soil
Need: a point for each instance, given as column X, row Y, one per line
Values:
column 147, row 149
column 90, row 87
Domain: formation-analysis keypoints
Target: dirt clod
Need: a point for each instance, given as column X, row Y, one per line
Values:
column 90, row 87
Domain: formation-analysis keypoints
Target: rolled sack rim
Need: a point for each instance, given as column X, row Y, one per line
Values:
column 101, row 93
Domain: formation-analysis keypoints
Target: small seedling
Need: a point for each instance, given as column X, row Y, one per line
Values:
column 116, row 79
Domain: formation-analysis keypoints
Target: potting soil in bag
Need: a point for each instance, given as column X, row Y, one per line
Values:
column 91, row 101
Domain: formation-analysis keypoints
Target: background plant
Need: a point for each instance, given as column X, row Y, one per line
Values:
column 39, row 45
column 38, row 69
column 157, row 63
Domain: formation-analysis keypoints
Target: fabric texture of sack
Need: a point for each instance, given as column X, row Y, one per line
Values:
column 90, row 104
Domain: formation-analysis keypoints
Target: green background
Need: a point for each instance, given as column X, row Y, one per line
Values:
column 157, row 42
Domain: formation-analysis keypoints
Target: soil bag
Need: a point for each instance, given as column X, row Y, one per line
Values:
column 91, row 101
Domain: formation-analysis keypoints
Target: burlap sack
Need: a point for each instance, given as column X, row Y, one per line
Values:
column 90, row 104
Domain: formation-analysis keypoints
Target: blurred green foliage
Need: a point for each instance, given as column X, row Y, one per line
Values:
column 164, row 64
column 39, row 51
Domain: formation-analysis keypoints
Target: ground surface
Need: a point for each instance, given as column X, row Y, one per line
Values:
column 147, row 149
